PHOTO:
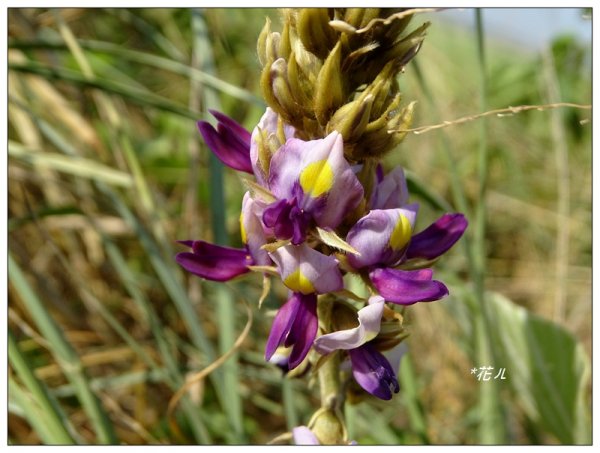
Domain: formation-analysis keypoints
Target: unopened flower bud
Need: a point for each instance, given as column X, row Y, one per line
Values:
column 330, row 91
column 328, row 428
column 315, row 32
column 351, row 119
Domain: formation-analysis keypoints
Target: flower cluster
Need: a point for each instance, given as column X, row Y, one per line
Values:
column 308, row 216
column 320, row 213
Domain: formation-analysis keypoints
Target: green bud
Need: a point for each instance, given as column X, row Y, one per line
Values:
column 330, row 92
column 261, row 43
column 299, row 85
column 400, row 123
column 315, row 32
column 405, row 49
column 329, row 428
column 281, row 88
column 351, row 119
column 354, row 16
column 285, row 46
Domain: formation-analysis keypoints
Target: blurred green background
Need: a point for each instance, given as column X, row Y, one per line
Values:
column 106, row 170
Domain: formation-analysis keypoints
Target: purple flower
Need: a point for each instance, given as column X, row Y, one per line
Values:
column 219, row 263
column 295, row 325
column 373, row 372
column 313, row 184
column 306, row 273
column 230, row 142
column 381, row 236
column 214, row 262
column 384, row 239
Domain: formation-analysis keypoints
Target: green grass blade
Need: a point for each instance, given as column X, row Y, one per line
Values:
column 140, row 97
column 289, row 405
column 226, row 305
column 410, row 396
column 156, row 61
column 33, row 413
column 77, row 166
column 64, row 354
column 491, row 429
column 54, row 418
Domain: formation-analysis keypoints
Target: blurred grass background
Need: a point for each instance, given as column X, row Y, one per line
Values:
column 107, row 169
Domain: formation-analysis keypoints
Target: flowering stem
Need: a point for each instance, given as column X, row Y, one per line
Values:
column 329, row 377
column 329, row 381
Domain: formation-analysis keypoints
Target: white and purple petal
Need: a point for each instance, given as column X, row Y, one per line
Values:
column 436, row 239
column 381, row 236
column 295, row 325
column 369, row 323
column 214, row 262
column 230, row 142
column 268, row 124
column 390, row 191
column 373, row 372
column 407, row 287
column 253, row 231
column 306, row 271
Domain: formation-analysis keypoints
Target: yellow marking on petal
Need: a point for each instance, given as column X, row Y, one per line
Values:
column 401, row 234
column 243, row 230
column 316, row 178
column 298, row 282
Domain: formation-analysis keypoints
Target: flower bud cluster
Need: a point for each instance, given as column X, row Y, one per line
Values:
column 335, row 70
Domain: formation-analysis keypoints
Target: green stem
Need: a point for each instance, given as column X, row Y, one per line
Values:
column 491, row 429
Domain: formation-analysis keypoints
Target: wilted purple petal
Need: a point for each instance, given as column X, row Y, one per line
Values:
column 313, row 171
column 407, row 287
column 373, row 372
column 295, row 325
column 304, row 436
column 391, row 191
column 230, row 142
column 253, row 233
column 438, row 237
column 306, row 271
column 369, row 323
column 268, row 125
column 381, row 236
column 214, row 262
